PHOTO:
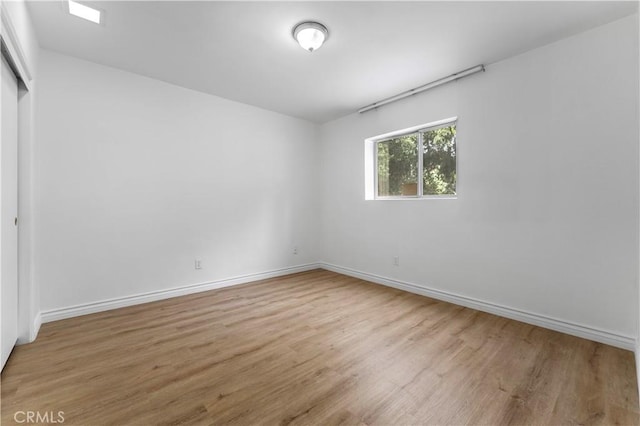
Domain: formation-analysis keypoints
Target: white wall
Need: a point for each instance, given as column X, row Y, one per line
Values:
column 637, row 348
column 28, row 292
column 21, row 22
column 546, row 220
column 136, row 178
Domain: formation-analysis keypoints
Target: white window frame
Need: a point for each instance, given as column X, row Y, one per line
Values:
column 371, row 164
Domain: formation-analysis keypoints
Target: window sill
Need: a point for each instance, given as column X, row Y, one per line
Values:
column 426, row 197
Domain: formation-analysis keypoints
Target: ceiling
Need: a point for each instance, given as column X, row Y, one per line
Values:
column 244, row 51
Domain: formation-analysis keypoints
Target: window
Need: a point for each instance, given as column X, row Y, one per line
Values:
column 416, row 163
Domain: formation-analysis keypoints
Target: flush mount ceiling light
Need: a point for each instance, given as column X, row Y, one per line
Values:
column 310, row 35
column 84, row 12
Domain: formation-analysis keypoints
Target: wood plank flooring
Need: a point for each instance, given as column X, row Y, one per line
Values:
column 315, row 348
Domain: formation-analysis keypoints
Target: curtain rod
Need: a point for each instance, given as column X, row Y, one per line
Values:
column 424, row 87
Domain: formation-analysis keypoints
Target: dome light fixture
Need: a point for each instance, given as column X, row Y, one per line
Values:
column 310, row 35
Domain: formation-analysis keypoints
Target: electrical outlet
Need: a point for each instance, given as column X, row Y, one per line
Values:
column 396, row 261
column 295, row 250
column 198, row 264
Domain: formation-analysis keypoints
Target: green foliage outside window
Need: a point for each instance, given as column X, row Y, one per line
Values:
column 439, row 161
column 398, row 164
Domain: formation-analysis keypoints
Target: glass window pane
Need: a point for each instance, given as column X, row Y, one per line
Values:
column 439, row 161
column 398, row 166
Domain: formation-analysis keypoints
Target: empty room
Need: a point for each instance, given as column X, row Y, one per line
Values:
column 320, row 213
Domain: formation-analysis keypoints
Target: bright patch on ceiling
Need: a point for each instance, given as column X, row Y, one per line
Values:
column 84, row 12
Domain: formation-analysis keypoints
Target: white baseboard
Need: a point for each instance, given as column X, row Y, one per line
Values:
column 120, row 302
column 598, row 335
column 31, row 334
column 602, row 336
column 37, row 322
column 637, row 358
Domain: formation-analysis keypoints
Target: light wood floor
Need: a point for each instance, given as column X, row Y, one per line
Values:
column 315, row 348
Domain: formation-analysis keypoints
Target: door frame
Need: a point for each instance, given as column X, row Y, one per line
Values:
column 29, row 319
